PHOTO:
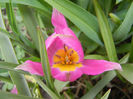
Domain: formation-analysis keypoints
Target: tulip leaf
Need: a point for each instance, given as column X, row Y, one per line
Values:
column 33, row 3
column 124, row 29
column 11, row 17
column 9, row 56
column 106, row 32
column 7, row 95
column 99, row 86
column 131, row 52
column 59, row 85
column 127, row 72
column 49, row 91
column 30, row 22
column 6, row 79
column 84, row 20
column 44, row 60
column 83, row 3
column 94, row 56
column 106, row 95
column 10, row 67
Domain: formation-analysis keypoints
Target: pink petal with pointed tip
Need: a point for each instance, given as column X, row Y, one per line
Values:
column 54, row 47
column 58, row 20
column 95, row 67
column 66, row 76
column 72, row 41
column 64, row 36
column 31, row 67
column 14, row 90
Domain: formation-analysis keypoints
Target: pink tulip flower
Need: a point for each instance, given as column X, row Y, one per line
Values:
column 66, row 55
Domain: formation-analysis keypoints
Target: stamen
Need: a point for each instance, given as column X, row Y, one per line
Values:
column 71, row 53
column 65, row 48
column 58, row 56
column 57, row 62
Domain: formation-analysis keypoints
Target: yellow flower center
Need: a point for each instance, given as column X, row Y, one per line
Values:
column 66, row 59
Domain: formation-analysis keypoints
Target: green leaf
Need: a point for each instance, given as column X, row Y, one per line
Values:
column 115, row 18
column 107, row 5
column 11, row 17
column 59, row 85
column 16, row 39
column 125, row 26
column 106, row 32
column 87, row 43
column 127, row 72
column 118, row 1
column 124, row 59
column 7, row 65
column 131, row 52
column 44, row 87
column 123, row 48
column 6, row 79
column 10, row 67
column 44, row 60
column 84, row 20
column 106, row 95
column 8, row 95
column 83, row 3
column 33, row 3
column 99, row 86
column 9, row 56
column 93, row 56
column 30, row 23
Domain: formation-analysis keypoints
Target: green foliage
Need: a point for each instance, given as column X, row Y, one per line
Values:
column 104, row 28
column 106, row 95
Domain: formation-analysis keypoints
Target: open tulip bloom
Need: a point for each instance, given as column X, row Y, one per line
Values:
column 66, row 55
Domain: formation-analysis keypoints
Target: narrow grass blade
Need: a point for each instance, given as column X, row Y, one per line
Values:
column 30, row 23
column 125, row 26
column 127, row 72
column 100, row 85
column 84, row 20
column 42, row 26
column 5, row 79
column 10, row 67
column 106, row 95
column 44, row 60
column 7, row 95
column 50, row 92
column 59, row 85
column 16, row 39
column 11, row 17
column 95, row 56
column 83, row 3
column 7, row 64
column 33, row 3
column 6, row 33
column 9, row 56
column 131, row 52
column 106, row 32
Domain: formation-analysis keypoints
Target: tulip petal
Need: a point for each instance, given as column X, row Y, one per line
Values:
column 57, row 41
column 72, row 41
column 95, row 67
column 58, row 20
column 66, row 76
column 31, row 67
column 54, row 46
